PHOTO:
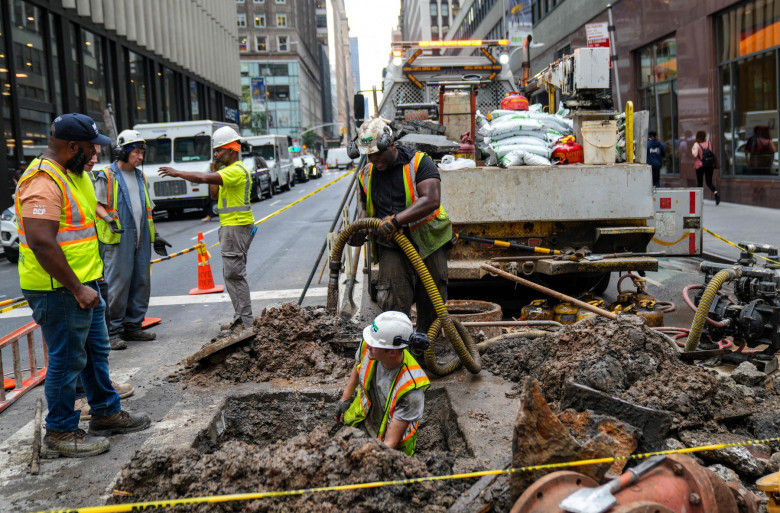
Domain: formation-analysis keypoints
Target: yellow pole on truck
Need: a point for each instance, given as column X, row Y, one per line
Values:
column 630, row 132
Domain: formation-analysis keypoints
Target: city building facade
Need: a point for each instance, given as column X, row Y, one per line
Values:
column 694, row 66
column 341, row 70
column 148, row 60
column 278, row 43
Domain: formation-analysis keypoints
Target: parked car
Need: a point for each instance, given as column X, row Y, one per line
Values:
column 765, row 164
column 274, row 149
column 301, row 169
column 338, row 158
column 9, row 235
column 262, row 186
column 314, row 168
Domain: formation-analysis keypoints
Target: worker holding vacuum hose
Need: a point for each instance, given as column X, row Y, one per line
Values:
column 390, row 383
column 230, row 183
column 403, row 188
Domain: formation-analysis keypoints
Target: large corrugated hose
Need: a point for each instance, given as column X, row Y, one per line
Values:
column 461, row 340
column 705, row 303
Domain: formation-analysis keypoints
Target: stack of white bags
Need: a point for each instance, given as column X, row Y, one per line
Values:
column 517, row 137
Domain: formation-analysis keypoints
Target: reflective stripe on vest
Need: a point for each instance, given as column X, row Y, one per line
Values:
column 112, row 203
column 242, row 208
column 76, row 233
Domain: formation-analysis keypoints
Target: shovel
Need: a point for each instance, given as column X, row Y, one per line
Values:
column 599, row 500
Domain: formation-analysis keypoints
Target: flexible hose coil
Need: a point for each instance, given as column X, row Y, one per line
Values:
column 705, row 303
column 461, row 340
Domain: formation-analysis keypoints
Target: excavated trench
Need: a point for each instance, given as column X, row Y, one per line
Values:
column 285, row 440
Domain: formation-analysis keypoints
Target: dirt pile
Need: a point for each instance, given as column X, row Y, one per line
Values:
column 305, row 461
column 624, row 359
column 291, row 342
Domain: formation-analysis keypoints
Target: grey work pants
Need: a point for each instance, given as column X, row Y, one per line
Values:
column 234, row 241
column 398, row 286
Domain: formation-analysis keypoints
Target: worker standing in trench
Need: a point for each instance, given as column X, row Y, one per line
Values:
column 403, row 188
column 229, row 181
column 391, row 395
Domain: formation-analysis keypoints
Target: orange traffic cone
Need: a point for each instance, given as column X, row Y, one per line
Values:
column 205, row 278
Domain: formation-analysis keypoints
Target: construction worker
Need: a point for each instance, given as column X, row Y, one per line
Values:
column 230, row 183
column 390, row 396
column 122, row 190
column 403, row 188
column 59, row 265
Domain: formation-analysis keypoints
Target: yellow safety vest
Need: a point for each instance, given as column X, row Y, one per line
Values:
column 428, row 234
column 410, row 376
column 235, row 209
column 105, row 234
column 76, row 234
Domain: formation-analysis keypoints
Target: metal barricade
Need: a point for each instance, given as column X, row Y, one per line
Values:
column 36, row 374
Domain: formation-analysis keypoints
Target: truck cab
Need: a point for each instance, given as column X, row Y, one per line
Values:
column 186, row 146
column 275, row 151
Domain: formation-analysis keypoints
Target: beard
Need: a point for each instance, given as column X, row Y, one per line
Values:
column 76, row 164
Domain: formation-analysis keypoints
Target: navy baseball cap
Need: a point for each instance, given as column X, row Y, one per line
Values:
column 77, row 127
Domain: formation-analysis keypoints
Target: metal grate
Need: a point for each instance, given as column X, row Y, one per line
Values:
column 402, row 93
column 170, row 188
column 489, row 97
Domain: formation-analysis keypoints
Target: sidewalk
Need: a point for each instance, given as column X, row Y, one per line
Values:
column 738, row 223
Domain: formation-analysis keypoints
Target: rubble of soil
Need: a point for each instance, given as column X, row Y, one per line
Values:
column 290, row 342
column 305, row 461
column 623, row 359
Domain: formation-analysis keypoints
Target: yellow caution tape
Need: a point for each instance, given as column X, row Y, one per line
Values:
column 140, row 506
column 269, row 216
column 14, row 307
column 174, row 255
column 737, row 246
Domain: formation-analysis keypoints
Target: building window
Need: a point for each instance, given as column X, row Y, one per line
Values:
column 657, row 68
column 434, row 9
column 279, row 92
column 29, row 52
column 94, row 73
column 281, row 20
column 241, row 20
column 261, row 43
column 242, row 44
column 138, row 82
column 259, row 1
column 281, row 1
column 259, row 20
column 748, row 75
column 239, row 1
column 282, row 43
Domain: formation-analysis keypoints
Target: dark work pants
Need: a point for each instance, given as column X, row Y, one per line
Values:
column 701, row 173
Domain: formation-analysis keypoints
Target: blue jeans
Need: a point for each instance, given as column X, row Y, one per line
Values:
column 78, row 347
column 127, row 272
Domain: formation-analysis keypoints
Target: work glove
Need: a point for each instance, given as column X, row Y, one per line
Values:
column 159, row 245
column 357, row 239
column 341, row 409
column 389, row 227
column 112, row 224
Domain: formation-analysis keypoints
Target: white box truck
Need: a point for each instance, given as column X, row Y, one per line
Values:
column 184, row 145
column 275, row 150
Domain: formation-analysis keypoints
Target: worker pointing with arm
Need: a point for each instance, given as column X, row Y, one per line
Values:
column 234, row 184
column 390, row 383
column 403, row 188
column 123, row 192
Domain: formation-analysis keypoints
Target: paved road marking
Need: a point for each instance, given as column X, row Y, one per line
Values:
column 274, row 203
column 257, row 295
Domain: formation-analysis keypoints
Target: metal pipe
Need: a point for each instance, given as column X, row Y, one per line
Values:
column 550, row 292
column 629, row 132
column 613, row 56
column 511, row 323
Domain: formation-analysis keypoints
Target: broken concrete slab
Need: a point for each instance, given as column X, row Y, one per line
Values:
column 747, row 374
column 431, row 144
column 750, row 461
column 653, row 425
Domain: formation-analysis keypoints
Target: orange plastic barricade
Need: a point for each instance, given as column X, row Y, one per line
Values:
column 21, row 386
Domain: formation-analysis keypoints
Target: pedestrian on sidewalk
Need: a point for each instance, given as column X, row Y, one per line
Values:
column 390, row 383
column 705, row 163
column 59, row 266
column 656, row 153
column 230, row 183
column 122, row 190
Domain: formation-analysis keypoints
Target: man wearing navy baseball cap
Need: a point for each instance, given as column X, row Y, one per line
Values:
column 59, row 266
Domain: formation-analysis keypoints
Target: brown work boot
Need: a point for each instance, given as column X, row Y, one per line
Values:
column 83, row 405
column 117, row 343
column 73, row 444
column 138, row 334
column 124, row 390
column 236, row 324
column 119, row 423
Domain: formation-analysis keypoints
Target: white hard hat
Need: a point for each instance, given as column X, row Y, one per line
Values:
column 374, row 135
column 126, row 137
column 386, row 328
column 223, row 136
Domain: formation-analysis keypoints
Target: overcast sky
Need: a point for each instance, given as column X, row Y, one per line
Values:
column 372, row 23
